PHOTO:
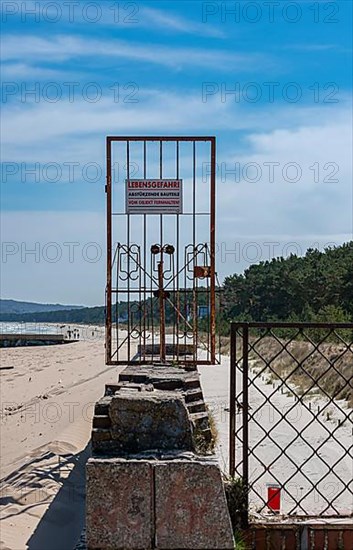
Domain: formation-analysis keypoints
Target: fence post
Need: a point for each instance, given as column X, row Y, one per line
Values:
column 232, row 406
column 245, row 409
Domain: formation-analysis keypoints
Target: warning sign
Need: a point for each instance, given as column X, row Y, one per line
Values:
column 163, row 196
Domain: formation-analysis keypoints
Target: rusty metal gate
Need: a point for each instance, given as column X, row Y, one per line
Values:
column 161, row 279
column 291, row 423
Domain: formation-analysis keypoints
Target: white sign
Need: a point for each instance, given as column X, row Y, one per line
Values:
column 163, row 196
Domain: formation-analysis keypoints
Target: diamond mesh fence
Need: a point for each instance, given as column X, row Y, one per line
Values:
column 291, row 419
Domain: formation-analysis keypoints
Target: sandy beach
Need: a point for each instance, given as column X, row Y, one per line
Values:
column 47, row 402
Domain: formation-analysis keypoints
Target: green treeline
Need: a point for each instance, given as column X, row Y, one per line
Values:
column 317, row 287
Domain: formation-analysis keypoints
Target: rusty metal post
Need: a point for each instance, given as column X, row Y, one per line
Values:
column 108, row 313
column 213, row 251
column 232, row 397
column 246, row 424
column 161, row 312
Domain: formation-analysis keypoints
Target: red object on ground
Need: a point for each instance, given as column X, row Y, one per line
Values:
column 274, row 497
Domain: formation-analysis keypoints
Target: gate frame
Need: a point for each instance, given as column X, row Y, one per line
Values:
column 109, row 265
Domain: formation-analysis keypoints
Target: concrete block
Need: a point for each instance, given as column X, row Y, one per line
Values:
column 142, row 421
column 190, row 507
column 119, row 505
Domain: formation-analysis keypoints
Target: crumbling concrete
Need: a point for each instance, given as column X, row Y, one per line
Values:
column 147, row 420
column 106, row 438
column 148, row 487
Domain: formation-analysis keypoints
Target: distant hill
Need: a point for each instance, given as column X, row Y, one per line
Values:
column 86, row 315
column 17, row 307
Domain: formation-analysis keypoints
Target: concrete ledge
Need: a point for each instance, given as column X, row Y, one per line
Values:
column 152, row 484
column 173, row 350
column 153, row 417
column 12, row 340
column 143, row 504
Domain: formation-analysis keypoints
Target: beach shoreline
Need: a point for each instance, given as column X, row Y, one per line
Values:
column 47, row 403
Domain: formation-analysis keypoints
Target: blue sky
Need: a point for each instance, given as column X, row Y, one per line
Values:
column 100, row 68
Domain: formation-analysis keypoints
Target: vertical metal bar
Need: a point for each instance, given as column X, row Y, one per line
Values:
column 160, row 272
column 161, row 312
column 175, row 338
column 141, row 305
column 213, row 249
column 219, row 307
column 208, row 308
column 161, row 176
column 152, row 305
column 177, row 253
column 185, row 297
column 140, row 311
column 117, row 295
column 128, row 260
column 194, row 196
column 108, row 322
column 232, row 396
column 246, row 422
column 194, row 262
column 173, row 299
column 144, row 255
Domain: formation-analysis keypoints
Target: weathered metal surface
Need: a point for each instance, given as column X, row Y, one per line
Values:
column 161, row 268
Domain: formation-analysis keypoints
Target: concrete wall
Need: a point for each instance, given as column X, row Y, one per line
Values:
column 153, row 481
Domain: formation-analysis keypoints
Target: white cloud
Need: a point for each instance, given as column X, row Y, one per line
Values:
column 307, row 212
column 255, row 221
column 60, row 48
column 27, row 71
column 167, row 20
column 304, row 213
column 320, row 48
column 157, row 112
column 41, row 123
column 305, row 47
